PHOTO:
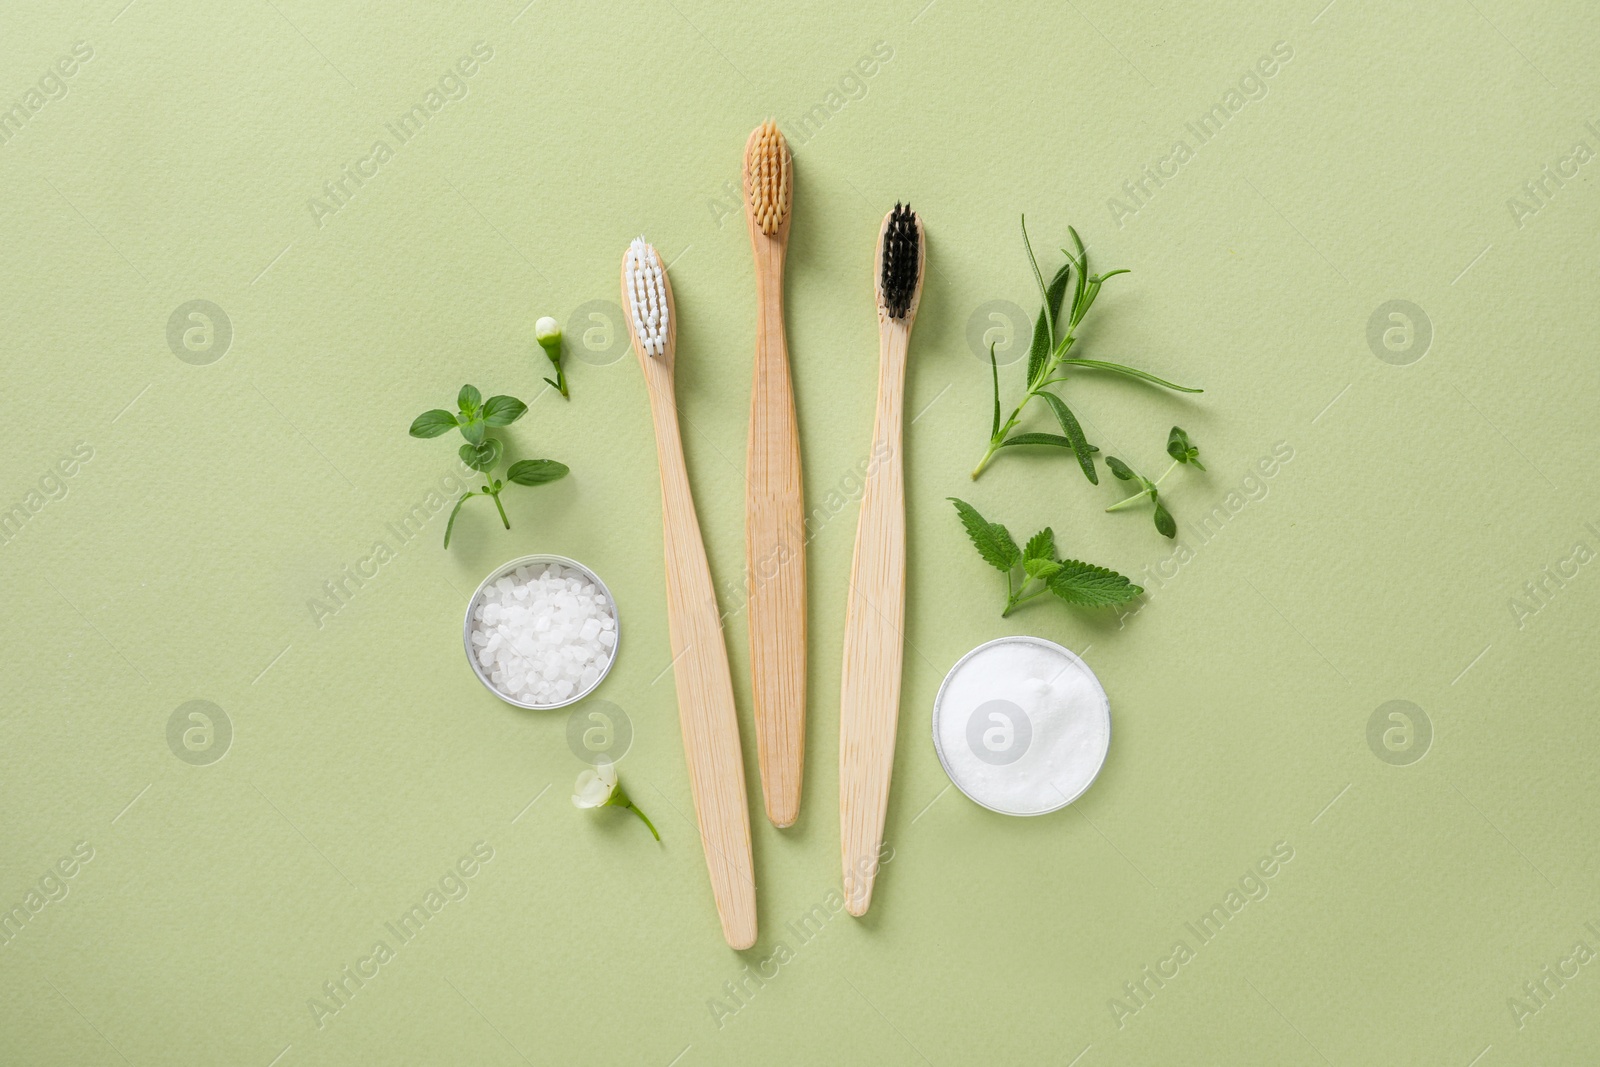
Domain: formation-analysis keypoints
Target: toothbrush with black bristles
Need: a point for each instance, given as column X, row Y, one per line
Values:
column 874, row 641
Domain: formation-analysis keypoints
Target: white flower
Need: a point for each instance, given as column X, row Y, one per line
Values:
column 595, row 785
column 547, row 332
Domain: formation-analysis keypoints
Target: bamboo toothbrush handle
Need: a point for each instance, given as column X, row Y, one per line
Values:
column 705, row 686
column 775, row 552
column 874, row 642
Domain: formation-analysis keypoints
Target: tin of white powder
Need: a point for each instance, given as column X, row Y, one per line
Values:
column 1021, row 726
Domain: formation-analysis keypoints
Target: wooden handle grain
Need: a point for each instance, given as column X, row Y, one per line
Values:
column 775, row 550
column 874, row 642
column 705, row 693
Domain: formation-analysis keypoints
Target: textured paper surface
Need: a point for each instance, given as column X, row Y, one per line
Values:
column 1426, row 469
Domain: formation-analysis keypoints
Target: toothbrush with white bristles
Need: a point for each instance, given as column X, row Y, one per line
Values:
column 699, row 657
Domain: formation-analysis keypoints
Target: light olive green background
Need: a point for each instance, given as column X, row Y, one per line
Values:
column 1383, row 561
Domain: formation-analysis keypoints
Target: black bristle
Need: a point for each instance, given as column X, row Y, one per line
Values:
column 900, row 265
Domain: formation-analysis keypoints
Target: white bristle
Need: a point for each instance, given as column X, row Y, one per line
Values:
column 647, row 296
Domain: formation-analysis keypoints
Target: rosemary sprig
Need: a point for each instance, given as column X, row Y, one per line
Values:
column 1054, row 334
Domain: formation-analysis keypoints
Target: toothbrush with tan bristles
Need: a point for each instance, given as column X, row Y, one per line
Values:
column 774, row 509
column 699, row 657
column 874, row 642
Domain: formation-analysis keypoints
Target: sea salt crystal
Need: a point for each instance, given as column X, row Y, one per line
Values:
column 544, row 634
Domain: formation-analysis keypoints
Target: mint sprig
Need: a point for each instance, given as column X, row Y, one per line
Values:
column 1054, row 334
column 482, row 453
column 1073, row 581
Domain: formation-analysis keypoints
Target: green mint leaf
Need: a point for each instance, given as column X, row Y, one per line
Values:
column 1121, row 469
column 1074, row 432
column 1039, row 350
column 1131, row 372
column 992, row 540
column 482, row 457
column 1041, row 545
column 503, row 410
column 433, row 423
column 536, row 471
column 473, row 430
column 1091, row 586
column 468, row 399
column 1053, row 439
column 1042, row 569
column 1164, row 521
column 451, row 525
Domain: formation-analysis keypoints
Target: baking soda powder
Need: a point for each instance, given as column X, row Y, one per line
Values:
column 1021, row 725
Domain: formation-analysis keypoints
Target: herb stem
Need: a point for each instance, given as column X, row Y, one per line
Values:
column 620, row 799
column 501, row 507
column 1046, row 379
column 1129, row 500
column 1018, row 599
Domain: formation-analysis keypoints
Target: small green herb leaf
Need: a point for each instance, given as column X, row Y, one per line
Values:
column 994, row 370
column 1180, row 448
column 451, row 524
column 1039, row 351
column 1053, row 439
column 1058, row 290
column 468, row 399
column 503, row 410
column 536, row 471
column 992, row 540
column 1044, row 312
column 1081, row 262
column 433, row 423
column 482, row 457
column 1091, row 586
column 1041, row 569
column 1074, row 432
column 473, row 430
column 1164, row 521
column 1178, row 444
column 1131, row 372
column 1120, row 469
column 1041, row 546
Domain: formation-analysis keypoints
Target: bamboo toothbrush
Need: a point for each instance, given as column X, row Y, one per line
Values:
column 874, row 645
column 774, row 512
column 699, row 658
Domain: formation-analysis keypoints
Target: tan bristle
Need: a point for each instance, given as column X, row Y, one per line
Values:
column 767, row 177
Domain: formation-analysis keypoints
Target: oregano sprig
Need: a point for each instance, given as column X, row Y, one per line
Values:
column 1073, row 581
column 1182, row 451
column 1054, row 334
column 474, row 417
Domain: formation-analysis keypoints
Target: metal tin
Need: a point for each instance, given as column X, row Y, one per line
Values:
column 1072, row 661
column 501, row 571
